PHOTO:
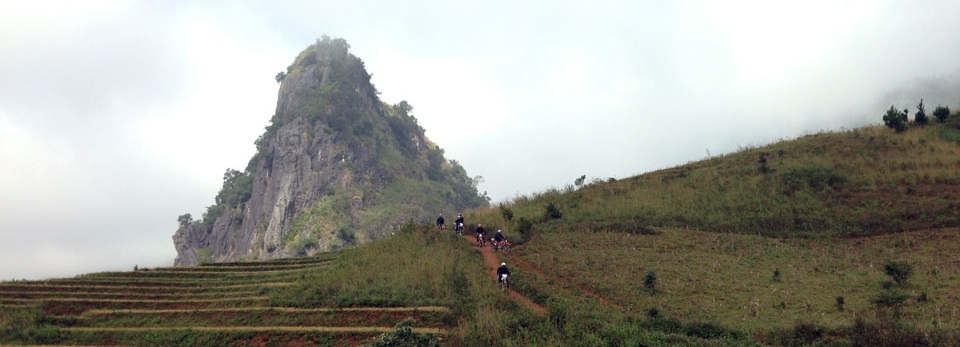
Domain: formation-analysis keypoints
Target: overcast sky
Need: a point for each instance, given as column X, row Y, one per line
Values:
column 118, row 116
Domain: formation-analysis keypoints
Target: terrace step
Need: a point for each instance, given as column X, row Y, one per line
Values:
column 347, row 329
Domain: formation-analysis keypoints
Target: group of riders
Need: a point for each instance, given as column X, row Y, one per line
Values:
column 498, row 239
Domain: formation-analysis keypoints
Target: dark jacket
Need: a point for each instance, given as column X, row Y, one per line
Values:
column 480, row 230
column 439, row 221
column 499, row 237
column 502, row 270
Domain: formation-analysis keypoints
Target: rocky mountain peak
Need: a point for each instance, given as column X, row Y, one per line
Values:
column 336, row 166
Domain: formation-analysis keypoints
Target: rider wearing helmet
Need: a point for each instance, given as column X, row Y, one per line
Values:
column 480, row 232
column 440, row 222
column 458, row 224
column 498, row 237
column 502, row 270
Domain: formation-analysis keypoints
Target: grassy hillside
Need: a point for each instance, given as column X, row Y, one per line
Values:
column 839, row 239
column 788, row 244
column 860, row 182
column 431, row 285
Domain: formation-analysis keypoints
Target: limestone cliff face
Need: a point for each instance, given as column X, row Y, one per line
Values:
column 335, row 167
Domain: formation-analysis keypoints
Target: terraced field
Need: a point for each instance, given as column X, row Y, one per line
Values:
column 226, row 304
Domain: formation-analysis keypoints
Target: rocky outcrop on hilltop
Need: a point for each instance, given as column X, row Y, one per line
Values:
column 335, row 167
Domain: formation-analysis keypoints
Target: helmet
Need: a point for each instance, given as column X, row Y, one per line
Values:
column 503, row 264
column 498, row 231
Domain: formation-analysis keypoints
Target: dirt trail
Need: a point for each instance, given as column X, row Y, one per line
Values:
column 492, row 262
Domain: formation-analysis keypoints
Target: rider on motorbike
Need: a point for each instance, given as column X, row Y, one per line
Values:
column 440, row 222
column 499, row 237
column 502, row 273
column 480, row 232
column 458, row 224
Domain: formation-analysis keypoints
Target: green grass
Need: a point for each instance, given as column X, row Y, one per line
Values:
column 755, row 252
column 860, row 182
column 734, row 253
column 728, row 278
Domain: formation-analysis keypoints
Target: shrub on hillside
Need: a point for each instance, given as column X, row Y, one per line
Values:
column 921, row 116
column 899, row 271
column 404, row 336
column 553, row 212
column 895, row 119
column 650, row 281
column 941, row 113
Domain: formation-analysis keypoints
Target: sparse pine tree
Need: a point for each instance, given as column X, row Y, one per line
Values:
column 941, row 112
column 899, row 271
column 921, row 116
column 895, row 119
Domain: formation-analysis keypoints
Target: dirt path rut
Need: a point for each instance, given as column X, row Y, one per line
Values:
column 492, row 262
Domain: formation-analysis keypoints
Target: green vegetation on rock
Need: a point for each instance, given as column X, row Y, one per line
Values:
column 336, row 166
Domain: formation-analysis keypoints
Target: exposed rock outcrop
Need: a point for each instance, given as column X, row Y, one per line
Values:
column 335, row 167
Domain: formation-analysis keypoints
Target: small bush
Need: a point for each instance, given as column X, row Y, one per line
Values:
column 404, row 336
column 553, row 212
column 776, row 275
column 899, row 271
column 762, row 161
column 650, row 281
column 921, row 116
column 653, row 312
column 895, row 119
column 941, row 113
column 840, row 303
